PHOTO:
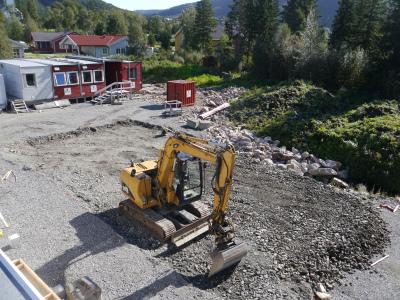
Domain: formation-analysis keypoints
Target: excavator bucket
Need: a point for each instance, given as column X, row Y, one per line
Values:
column 225, row 258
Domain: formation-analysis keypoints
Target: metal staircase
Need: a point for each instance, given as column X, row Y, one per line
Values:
column 19, row 106
column 114, row 93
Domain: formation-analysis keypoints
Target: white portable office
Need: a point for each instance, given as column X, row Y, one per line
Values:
column 27, row 80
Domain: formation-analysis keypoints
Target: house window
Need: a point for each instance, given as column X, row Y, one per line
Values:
column 87, row 77
column 60, row 79
column 98, row 76
column 16, row 53
column 132, row 73
column 73, row 78
column 118, row 51
column 30, row 80
column 105, row 50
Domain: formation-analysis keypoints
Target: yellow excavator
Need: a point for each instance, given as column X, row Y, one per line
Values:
column 164, row 195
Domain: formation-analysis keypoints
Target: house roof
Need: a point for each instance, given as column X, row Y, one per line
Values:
column 96, row 40
column 19, row 44
column 47, row 36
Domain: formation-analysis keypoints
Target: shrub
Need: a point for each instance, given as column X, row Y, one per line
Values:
column 364, row 136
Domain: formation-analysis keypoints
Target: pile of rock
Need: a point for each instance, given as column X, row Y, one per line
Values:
column 267, row 151
column 213, row 98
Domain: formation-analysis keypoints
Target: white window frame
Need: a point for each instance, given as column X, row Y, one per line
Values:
column 105, row 50
column 26, row 81
column 94, row 76
column 55, row 79
column 129, row 73
column 91, row 77
column 118, row 51
column 77, row 77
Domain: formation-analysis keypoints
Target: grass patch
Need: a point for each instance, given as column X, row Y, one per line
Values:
column 365, row 135
column 207, row 80
column 164, row 70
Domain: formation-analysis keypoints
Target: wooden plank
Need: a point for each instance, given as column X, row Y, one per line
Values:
column 214, row 111
column 35, row 280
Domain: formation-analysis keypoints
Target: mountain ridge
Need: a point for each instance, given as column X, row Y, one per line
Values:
column 327, row 10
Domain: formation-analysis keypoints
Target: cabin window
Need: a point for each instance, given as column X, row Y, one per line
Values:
column 73, row 78
column 30, row 80
column 132, row 73
column 59, row 79
column 98, row 76
column 87, row 77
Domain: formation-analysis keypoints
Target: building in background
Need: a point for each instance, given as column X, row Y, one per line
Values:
column 96, row 45
column 48, row 42
column 18, row 48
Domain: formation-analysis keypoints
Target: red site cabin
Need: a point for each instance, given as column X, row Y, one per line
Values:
column 66, row 83
column 73, row 79
column 92, row 76
column 118, row 70
column 182, row 90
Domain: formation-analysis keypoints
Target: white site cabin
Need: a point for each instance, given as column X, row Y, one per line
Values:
column 27, row 80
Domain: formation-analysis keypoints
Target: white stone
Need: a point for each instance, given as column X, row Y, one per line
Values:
column 326, row 172
column 339, row 183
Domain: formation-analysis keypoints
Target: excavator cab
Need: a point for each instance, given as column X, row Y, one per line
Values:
column 189, row 178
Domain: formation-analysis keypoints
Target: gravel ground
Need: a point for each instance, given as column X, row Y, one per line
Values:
column 62, row 241
column 299, row 231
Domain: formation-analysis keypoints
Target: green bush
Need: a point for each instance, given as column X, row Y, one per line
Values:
column 207, row 80
column 164, row 70
column 365, row 136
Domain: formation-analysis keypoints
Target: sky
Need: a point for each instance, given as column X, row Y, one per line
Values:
column 149, row 4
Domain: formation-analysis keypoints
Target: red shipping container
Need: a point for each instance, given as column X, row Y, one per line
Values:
column 182, row 90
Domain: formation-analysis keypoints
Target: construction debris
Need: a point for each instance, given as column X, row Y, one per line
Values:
column 323, row 296
column 214, row 111
column 379, row 260
column 53, row 104
column 391, row 208
column 198, row 124
column 7, row 175
column 4, row 221
column 339, row 183
column 83, row 289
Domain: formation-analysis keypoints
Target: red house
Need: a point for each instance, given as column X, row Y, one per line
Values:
column 48, row 42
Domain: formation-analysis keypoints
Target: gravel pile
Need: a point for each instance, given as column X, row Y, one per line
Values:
column 299, row 231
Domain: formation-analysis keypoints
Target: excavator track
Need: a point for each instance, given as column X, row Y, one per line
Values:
column 178, row 226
